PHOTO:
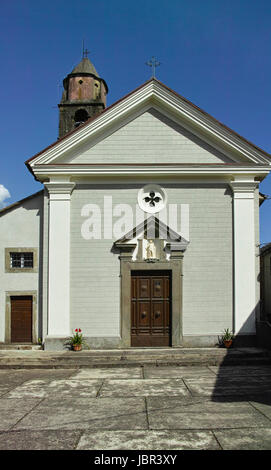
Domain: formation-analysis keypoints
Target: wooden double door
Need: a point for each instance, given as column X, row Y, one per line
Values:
column 150, row 308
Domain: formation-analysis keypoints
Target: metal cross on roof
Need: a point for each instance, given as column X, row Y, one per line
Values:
column 85, row 51
column 153, row 63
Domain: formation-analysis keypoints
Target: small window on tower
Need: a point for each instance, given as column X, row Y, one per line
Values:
column 80, row 81
column 80, row 116
column 97, row 90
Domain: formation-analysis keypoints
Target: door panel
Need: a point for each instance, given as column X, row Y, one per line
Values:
column 150, row 308
column 158, row 287
column 143, row 288
column 158, row 314
column 144, row 314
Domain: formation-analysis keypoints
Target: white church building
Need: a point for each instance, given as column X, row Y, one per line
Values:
column 146, row 233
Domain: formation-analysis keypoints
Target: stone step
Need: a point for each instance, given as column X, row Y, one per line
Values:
column 127, row 365
column 20, row 347
column 128, row 358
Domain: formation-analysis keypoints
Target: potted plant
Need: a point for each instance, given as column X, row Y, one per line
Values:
column 227, row 338
column 76, row 341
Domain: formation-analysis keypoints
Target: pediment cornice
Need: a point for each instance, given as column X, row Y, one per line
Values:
column 149, row 226
column 152, row 93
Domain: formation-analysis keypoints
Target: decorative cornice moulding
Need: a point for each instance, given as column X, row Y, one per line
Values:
column 43, row 172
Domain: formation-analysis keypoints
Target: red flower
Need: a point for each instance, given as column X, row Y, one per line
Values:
column 79, row 330
column 76, row 330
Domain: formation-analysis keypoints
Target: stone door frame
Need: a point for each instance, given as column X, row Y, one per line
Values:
column 163, row 299
column 174, row 265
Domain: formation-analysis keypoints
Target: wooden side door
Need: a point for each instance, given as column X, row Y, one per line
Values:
column 21, row 319
column 150, row 309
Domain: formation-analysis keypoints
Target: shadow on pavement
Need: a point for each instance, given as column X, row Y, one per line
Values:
column 244, row 375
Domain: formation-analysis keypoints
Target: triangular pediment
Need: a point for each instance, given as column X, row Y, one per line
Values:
column 153, row 228
column 149, row 137
column 150, row 126
column 151, row 240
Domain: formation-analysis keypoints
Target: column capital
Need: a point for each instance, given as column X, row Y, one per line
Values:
column 126, row 250
column 243, row 188
column 177, row 249
column 60, row 188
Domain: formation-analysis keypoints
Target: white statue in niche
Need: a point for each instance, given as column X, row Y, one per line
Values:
column 151, row 250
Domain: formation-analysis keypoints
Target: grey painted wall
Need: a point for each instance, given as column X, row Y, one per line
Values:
column 207, row 282
column 150, row 138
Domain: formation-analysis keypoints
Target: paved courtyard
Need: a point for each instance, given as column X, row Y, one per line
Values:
column 142, row 408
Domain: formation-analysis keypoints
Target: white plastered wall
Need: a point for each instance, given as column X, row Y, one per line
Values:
column 19, row 228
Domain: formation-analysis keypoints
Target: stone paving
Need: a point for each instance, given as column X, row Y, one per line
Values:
column 136, row 408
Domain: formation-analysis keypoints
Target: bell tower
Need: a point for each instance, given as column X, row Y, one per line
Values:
column 84, row 96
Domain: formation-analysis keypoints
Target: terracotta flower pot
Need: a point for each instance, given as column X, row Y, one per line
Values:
column 77, row 347
column 228, row 343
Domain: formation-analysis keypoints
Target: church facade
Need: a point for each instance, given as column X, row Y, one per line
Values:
column 146, row 233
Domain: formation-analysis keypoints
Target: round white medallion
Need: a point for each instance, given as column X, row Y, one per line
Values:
column 151, row 198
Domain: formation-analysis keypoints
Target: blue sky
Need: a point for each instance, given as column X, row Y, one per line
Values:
column 215, row 53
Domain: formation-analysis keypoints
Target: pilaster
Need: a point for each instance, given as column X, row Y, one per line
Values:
column 244, row 294
column 59, row 258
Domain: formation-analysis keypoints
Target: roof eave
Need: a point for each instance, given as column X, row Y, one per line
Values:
column 18, row 203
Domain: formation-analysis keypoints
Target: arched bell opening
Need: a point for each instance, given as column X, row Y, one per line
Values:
column 80, row 116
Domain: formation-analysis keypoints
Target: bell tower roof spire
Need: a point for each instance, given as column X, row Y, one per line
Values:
column 85, row 66
column 84, row 95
